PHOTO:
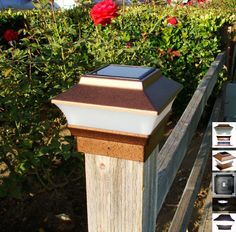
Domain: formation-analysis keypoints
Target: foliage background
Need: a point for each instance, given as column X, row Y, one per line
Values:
column 56, row 47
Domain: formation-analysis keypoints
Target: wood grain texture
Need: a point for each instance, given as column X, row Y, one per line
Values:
column 186, row 204
column 121, row 194
column 174, row 150
column 150, row 192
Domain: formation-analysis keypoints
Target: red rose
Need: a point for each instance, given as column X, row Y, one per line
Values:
column 129, row 45
column 10, row 35
column 201, row 1
column 103, row 12
column 171, row 20
column 190, row 3
column 168, row 2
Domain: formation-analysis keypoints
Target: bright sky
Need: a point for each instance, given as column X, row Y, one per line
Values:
column 27, row 4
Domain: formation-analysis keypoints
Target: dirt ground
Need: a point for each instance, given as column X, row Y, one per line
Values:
column 64, row 209
column 40, row 210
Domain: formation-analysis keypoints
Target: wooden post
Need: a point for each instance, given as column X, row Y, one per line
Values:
column 121, row 184
column 121, row 194
column 118, row 114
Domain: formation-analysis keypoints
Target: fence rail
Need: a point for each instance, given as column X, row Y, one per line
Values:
column 175, row 148
column 185, row 207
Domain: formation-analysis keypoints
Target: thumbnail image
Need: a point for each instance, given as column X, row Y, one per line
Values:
column 224, row 134
column 223, row 222
column 224, row 204
column 224, row 184
column 224, row 160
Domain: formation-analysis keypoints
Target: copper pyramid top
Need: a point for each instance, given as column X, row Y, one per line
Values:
column 224, row 156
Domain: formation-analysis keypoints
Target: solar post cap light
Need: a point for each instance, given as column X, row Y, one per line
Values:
column 224, row 222
column 118, row 100
column 223, row 204
column 223, row 134
column 224, row 184
column 118, row 114
column 224, row 160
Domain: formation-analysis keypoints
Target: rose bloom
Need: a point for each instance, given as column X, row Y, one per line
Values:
column 201, row 1
column 129, row 45
column 190, row 3
column 171, row 20
column 10, row 35
column 103, row 12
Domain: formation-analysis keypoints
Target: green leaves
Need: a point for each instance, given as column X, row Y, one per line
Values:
column 55, row 48
column 7, row 72
column 43, row 63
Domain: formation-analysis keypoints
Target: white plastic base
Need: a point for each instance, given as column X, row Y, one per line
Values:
column 129, row 121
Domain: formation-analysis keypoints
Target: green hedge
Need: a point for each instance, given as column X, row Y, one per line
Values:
column 55, row 48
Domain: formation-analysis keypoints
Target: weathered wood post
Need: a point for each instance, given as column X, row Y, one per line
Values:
column 117, row 114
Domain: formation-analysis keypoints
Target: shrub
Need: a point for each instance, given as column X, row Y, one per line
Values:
column 55, row 48
column 46, row 61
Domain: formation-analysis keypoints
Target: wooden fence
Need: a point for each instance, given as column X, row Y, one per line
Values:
column 175, row 148
column 127, row 195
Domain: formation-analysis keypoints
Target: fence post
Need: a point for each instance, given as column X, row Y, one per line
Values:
column 117, row 114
